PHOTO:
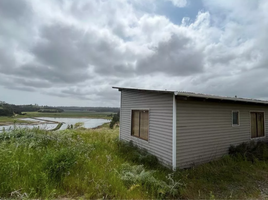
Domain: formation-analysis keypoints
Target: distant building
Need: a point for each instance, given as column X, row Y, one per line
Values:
column 185, row 129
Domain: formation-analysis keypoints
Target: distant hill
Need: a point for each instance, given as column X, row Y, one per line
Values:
column 11, row 109
column 90, row 109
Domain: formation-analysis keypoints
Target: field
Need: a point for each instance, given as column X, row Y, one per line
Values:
column 74, row 114
column 11, row 120
column 85, row 164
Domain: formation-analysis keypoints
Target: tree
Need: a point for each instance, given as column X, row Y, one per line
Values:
column 115, row 120
column 6, row 110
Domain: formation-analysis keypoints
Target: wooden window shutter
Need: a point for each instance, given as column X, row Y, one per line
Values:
column 257, row 124
column 253, row 125
column 260, row 124
column 144, row 124
column 135, row 123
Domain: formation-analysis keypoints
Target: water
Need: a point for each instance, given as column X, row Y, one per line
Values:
column 88, row 123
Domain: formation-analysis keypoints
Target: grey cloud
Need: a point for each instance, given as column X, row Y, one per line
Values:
column 53, row 74
column 6, row 61
column 176, row 57
column 82, row 49
column 59, row 94
column 66, row 52
column 117, row 70
column 17, row 83
column 74, row 91
column 27, row 89
column 60, row 47
column 32, row 83
column 13, row 9
column 248, row 84
column 96, row 94
column 107, row 93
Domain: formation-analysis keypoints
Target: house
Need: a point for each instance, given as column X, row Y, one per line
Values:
column 185, row 129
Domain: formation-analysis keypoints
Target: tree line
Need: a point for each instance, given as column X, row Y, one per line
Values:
column 12, row 109
column 7, row 109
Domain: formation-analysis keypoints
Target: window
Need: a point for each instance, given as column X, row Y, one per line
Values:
column 140, row 124
column 235, row 118
column 257, row 124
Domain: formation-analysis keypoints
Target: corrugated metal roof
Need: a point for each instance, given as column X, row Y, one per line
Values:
column 199, row 95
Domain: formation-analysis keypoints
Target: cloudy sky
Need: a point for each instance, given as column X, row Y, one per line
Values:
column 71, row 52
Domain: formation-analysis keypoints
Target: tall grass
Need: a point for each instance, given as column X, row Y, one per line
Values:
column 73, row 163
column 82, row 163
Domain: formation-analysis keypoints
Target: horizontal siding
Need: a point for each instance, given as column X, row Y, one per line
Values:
column 205, row 131
column 160, row 121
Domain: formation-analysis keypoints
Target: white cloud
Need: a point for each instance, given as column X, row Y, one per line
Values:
column 179, row 3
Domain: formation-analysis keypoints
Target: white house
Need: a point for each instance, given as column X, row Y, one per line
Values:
column 184, row 129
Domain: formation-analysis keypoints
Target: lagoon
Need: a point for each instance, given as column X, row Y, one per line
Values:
column 49, row 123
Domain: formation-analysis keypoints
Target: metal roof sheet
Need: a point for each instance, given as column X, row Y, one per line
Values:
column 199, row 95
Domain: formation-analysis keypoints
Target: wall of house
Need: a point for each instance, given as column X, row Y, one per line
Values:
column 160, row 107
column 205, row 131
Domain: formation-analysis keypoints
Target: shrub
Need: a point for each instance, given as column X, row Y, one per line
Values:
column 135, row 154
column 78, row 125
column 115, row 119
column 57, row 164
column 250, row 151
column 138, row 176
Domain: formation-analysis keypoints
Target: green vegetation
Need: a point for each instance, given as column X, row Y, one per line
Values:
column 6, row 110
column 251, row 151
column 50, row 110
column 81, row 163
column 12, row 110
column 57, row 127
column 102, row 115
column 115, row 120
column 76, row 126
column 12, row 120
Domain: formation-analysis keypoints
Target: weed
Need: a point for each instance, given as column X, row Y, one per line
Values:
column 57, row 164
column 137, row 175
column 93, row 164
column 251, row 151
column 135, row 154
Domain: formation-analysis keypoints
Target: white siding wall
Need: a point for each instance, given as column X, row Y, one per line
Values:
column 160, row 107
column 205, row 131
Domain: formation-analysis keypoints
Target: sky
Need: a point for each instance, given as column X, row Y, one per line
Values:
column 71, row 52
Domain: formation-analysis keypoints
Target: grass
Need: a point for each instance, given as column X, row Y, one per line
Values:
column 81, row 163
column 102, row 115
column 11, row 120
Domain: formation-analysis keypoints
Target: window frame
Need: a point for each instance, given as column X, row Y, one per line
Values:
column 235, row 125
column 131, row 124
column 264, row 124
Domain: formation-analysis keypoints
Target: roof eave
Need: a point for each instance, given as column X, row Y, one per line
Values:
column 200, row 96
column 146, row 90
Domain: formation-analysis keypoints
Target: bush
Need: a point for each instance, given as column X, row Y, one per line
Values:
column 135, row 154
column 250, row 151
column 138, row 176
column 57, row 164
column 115, row 120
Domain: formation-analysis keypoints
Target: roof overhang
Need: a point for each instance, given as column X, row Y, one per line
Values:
column 146, row 90
column 201, row 97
